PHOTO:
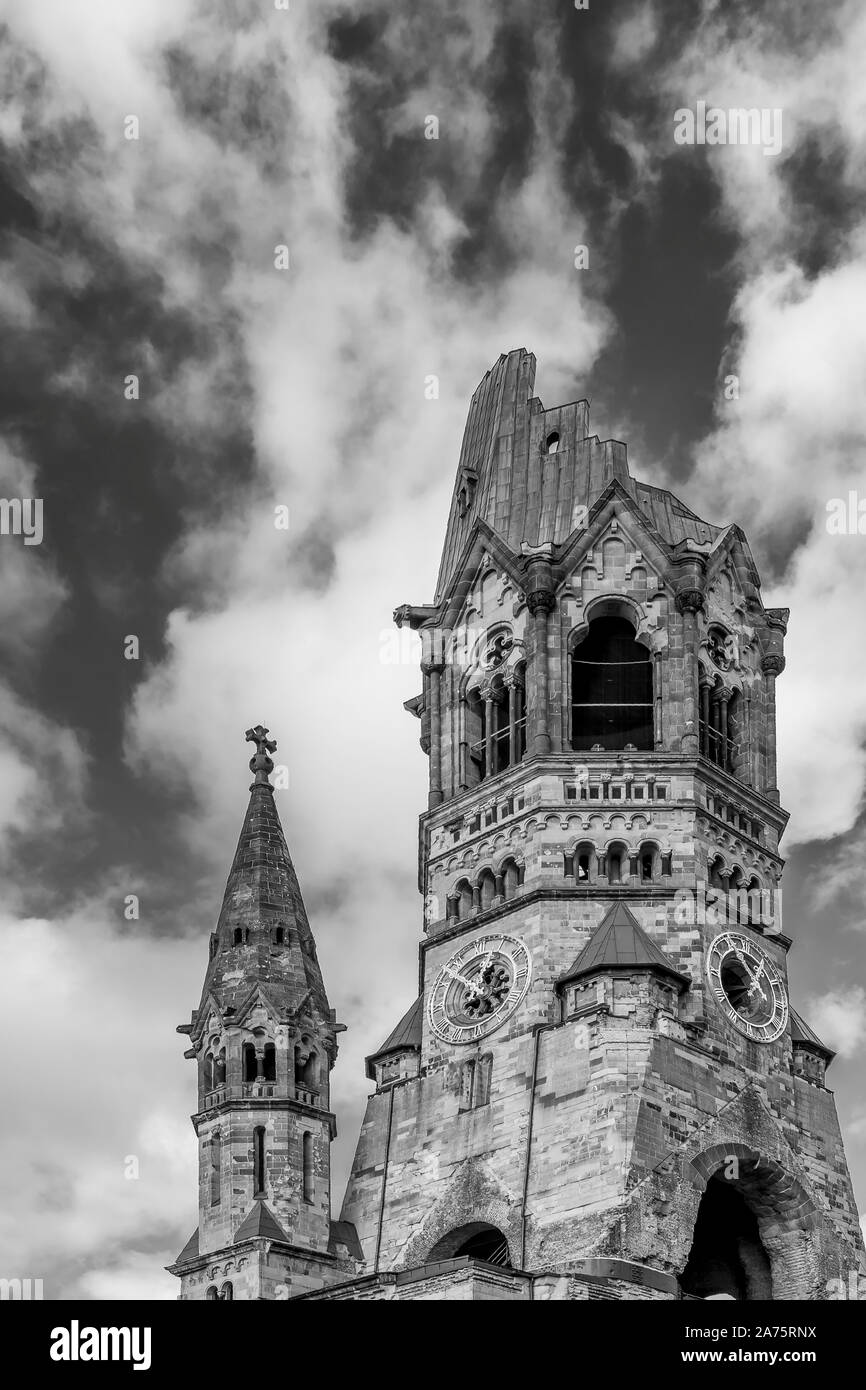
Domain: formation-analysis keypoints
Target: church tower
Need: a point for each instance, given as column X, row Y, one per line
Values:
column 264, row 1040
column 602, row 1090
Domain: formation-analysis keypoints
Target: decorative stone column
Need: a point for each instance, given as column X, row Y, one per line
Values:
column 771, row 667
column 690, row 601
column 705, row 688
column 540, row 605
column 541, row 601
column 432, row 671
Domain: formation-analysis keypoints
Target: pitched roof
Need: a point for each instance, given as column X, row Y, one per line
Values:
column 619, row 942
column 259, row 1221
column 407, row 1034
column 190, row 1250
column 802, row 1033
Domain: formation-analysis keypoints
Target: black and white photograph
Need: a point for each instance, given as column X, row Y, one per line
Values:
column 432, row 669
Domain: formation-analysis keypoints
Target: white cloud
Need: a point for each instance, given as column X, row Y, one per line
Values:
column 839, row 1018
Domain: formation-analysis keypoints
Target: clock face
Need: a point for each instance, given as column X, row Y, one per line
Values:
column 479, row 988
column 748, row 986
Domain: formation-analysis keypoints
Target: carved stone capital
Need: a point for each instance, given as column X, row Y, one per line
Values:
column 541, row 601
column 773, row 664
column 689, row 600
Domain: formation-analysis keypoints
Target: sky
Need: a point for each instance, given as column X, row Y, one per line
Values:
column 239, row 207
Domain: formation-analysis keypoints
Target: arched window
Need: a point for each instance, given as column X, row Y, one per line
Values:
column 737, row 904
column 306, row 1065
column 239, row 936
column 648, row 862
column 270, row 1070
column 495, row 715
column 551, row 444
column 464, row 899
column 611, row 688
column 616, row 863
column 279, row 936
column 510, row 879
column 308, row 1167
column 583, row 863
column 487, row 886
column 250, row 1068
column 227, row 1292
column 215, row 1168
column 220, row 1068
column 716, row 878
column 259, row 1161
column 212, row 1293
column 209, row 1072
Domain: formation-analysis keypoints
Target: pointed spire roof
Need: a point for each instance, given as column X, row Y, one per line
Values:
column 263, row 935
column 407, row 1034
column 619, row 942
column 259, row 1221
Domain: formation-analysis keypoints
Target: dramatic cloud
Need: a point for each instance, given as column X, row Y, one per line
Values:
column 839, row 1017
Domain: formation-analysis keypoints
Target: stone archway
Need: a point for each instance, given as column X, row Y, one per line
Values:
column 755, row 1232
column 478, row 1239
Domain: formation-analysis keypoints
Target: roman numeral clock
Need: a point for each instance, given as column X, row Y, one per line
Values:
column 748, row 987
column 479, row 988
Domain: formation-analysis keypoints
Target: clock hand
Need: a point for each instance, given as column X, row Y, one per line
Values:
column 463, row 980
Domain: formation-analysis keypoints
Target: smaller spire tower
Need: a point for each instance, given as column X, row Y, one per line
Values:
column 264, row 1039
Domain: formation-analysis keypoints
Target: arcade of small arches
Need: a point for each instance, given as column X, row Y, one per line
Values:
column 258, row 1063
column 750, row 900
column 489, row 888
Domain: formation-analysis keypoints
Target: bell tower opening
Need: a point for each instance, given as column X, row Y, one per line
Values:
column 611, row 688
column 727, row 1255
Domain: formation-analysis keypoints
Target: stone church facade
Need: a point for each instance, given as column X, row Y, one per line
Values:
column 602, row 1090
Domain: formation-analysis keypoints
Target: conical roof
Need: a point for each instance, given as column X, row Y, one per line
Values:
column 619, row 942
column 263, row 935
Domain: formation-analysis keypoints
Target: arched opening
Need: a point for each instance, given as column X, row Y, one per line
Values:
column 487, row 887
column 250, row 1069
column 478, row 1240
column 510, row 879
column 270, row 1067
column 551, row 444
column 239, row 936
column 611, row 688
column 212, row 1294
column 279, row 936
column 464, row 899
column 583, row 863
column 615, row 861
column 209, row 1072
column 648, row 861
column 227, row 1292
column 306, row 1065
column 727, row 1255
column 220, row 1068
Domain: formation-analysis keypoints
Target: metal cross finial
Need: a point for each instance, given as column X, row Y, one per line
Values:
column 261, row 764
column 259, row 736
